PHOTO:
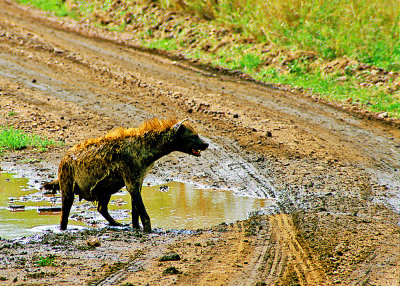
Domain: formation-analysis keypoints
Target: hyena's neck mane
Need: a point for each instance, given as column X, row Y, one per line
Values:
column 150, row 129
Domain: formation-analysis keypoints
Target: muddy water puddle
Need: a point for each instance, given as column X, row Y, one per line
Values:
column 25, row 211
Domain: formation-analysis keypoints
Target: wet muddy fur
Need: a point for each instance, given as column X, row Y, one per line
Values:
column 98, row 168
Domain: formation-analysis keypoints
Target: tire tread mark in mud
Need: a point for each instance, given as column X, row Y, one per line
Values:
column 308, row 270
column 275, row 258
column 262, row 264
column 136, row 265
column 243, row 175
column 258, row 262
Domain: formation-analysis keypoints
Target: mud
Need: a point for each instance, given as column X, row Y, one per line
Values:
column 334, row 176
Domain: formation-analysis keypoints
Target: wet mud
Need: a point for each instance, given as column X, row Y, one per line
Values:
column 333, row 177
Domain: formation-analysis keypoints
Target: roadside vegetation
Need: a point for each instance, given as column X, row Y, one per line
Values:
column 14, row 139
column 343, row 51
column 55, row 6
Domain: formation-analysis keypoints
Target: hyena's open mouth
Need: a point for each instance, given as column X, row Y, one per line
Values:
column 197, row 150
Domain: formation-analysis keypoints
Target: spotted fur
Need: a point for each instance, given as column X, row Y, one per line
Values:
column 100, row 167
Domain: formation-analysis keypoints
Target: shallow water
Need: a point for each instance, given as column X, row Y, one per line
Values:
column 171, row 206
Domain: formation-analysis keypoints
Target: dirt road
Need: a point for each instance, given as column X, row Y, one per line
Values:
column 335, row 177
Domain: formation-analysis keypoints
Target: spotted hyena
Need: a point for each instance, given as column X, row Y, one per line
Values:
column 98, row 168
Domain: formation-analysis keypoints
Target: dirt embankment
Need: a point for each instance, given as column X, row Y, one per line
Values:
column 330, row 173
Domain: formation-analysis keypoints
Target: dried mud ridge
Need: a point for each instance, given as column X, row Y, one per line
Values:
column 334, row 177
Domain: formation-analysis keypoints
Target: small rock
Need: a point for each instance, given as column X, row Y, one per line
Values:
column 383, row 115
column 58, row 51
column 93, row 242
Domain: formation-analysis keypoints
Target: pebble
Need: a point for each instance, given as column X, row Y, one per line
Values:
column 383, row 115
column 93, row 242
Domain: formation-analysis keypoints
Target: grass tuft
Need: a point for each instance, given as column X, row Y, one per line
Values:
column 45, row 261
column 14, row 139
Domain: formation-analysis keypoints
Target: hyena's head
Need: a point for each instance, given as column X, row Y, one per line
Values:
column 187, row 140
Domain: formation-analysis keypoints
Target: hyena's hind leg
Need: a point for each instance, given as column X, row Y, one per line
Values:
column 102, row 207
column 67, row 202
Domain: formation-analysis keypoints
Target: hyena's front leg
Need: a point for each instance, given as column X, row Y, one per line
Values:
column 135, row 216
column 138, row 207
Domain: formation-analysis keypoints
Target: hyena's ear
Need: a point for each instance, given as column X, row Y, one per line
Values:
column 178, row 125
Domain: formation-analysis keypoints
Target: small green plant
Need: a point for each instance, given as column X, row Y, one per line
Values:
column 15, row 139
column 296, row 67
column 45, row 261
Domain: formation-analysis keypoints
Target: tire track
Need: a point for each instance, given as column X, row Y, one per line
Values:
column 308, row 270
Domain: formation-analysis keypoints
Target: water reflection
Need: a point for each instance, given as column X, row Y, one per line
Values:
column 171, row 206
column 185, row 207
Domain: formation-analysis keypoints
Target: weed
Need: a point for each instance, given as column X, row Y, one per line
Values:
column 170, row 257
column 171, row 271
column 45, row 261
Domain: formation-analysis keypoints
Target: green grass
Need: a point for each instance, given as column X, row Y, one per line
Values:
column 14, row 139
column 363, row 29
column 326, row 86
column 55, row 6
column 166, row 44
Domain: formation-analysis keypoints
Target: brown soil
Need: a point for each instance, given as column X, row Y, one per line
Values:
column 334, row 176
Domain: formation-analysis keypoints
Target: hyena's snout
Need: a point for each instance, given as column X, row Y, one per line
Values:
column 203, row 145
column 198, row 146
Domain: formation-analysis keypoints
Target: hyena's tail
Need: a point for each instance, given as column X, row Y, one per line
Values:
column 52, row 186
